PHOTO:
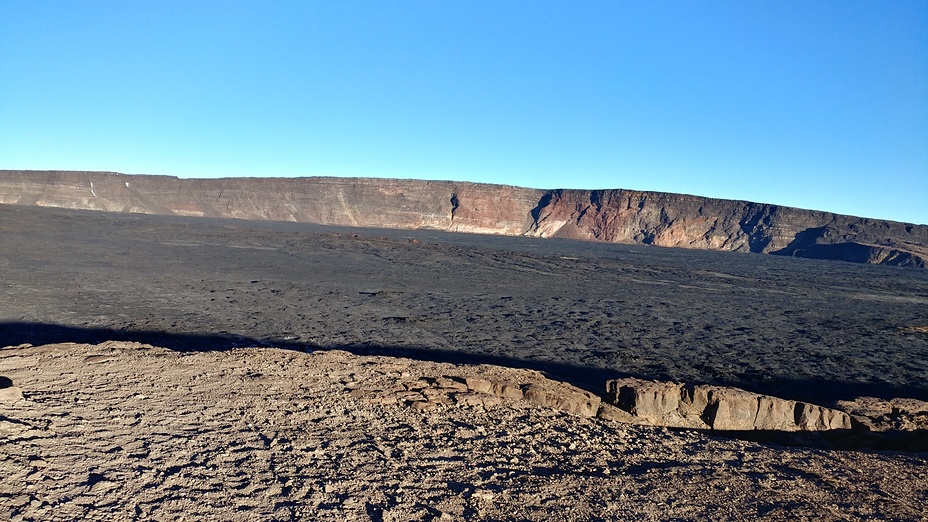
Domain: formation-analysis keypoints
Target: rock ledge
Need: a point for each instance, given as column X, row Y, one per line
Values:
column 718, row 408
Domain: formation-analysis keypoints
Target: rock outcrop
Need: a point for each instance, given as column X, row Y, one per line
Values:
column 718, row 408
column 432, row 393
column 882, row 415
column 620, row 216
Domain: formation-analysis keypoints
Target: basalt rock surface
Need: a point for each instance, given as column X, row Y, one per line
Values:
column 621, row 216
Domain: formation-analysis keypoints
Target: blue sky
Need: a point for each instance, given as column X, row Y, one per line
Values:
column 815, row 104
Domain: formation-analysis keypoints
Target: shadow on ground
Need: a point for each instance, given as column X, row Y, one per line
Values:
column 36, row 334
column 589, row 378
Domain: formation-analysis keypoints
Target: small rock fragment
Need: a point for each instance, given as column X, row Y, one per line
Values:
column 11, row 394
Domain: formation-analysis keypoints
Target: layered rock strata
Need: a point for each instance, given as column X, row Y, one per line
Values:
column 678, row 220
column 358, row 202
column 622, row 216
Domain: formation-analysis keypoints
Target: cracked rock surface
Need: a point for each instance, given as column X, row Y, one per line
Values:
column 128, row 431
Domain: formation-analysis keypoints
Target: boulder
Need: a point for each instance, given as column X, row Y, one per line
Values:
column 11, row 394
column 500, row 389
column 810, row 417
column 564, row 398
column 775, row 414
column 656, row 403
column 732, row 409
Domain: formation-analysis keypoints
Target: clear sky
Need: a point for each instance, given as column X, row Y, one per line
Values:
column 810, row 103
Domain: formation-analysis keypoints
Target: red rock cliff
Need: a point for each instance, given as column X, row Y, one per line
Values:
column 677, row 220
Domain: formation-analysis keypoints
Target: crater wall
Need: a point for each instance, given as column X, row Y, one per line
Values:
column 621, row 216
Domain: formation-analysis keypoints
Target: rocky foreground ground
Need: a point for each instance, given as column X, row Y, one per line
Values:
column 128, row 431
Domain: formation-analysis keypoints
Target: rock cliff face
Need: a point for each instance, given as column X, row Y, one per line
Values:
column 362, row 202
column 620, row 216
column 676, row 220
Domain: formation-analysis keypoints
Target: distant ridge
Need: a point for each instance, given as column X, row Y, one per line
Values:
column 620, row 216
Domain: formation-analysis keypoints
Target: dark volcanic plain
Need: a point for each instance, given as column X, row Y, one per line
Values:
column 317, row 423
column 801, row 329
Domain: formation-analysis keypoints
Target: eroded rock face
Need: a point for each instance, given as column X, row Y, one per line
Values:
column 719, row 408
column 622, row 216
column 678, row 220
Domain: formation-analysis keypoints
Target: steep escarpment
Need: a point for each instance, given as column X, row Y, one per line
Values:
column 676, row 220
column 621, row 216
